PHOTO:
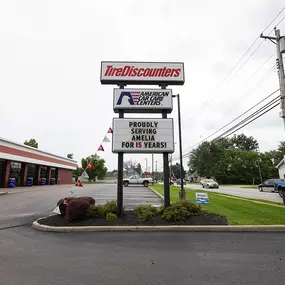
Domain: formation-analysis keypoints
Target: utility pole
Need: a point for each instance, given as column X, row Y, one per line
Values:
column 146, row 165
column 280, row 48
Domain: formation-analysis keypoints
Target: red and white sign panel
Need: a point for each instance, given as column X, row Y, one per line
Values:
column 143, row 135
column 148, row 73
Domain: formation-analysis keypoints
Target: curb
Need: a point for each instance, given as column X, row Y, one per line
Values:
column 274, row 228
column 156, row 193
column 3, row 193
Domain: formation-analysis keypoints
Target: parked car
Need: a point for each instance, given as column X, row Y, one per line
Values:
column 268, row 185
column 279, row 186
column 209, row 183
column 178, row 182
column 137, row 180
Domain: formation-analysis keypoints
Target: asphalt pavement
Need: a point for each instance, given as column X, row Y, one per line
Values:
column 242, row 192
column 30, row 257
column 24, row 205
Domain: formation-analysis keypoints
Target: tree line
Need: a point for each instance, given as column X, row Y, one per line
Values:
column 235, row 160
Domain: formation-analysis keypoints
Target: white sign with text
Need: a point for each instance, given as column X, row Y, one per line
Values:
column 143, row 100
column 143, row 135
column 146, row 73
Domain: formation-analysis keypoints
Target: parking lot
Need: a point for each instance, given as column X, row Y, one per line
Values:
column 26, row 204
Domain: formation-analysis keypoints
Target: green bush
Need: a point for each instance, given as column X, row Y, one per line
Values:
column 180, row 211
column 111, row 217
column 110, row 207
column 101, row 211
column 161, row 210
column 146, row 215
column 140, row 209
column 96, row 211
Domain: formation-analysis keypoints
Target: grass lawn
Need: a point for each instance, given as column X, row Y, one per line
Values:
column 241, row 186
column 238, row 212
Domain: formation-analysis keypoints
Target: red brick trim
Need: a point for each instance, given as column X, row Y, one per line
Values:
column 9, row 150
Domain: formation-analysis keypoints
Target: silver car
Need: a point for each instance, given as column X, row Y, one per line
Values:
column 209, row 183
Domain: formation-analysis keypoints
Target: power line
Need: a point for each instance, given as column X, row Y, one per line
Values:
column 235, row 119
column 250, row 116
column 253, row 120
column 274, row 20
column 243, row 56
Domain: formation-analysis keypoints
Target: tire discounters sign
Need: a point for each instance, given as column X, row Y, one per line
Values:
column 143, row 100
column 155, row 73
column 143, row 135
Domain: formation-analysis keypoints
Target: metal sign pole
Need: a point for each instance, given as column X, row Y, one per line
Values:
column 166, row 169
column 120, row 174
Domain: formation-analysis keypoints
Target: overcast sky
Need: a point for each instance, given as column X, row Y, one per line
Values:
column 50, row 54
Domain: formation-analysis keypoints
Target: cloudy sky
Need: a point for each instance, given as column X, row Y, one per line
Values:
column 50, row 54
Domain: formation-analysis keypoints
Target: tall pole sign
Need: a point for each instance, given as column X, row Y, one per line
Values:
column 145, row 135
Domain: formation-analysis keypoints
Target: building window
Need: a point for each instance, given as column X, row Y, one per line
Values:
column 32, row 173
column 44, row 172
column 53, row 173
column 15, row 171
column 2, row 172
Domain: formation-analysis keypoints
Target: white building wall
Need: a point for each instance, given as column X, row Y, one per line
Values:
column 281, row 171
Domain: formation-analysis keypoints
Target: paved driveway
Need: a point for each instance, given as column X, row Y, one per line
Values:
column 30, row 257
column 239, row 191
column 27, row 204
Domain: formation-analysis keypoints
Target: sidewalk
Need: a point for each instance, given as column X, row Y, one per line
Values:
column 33, row 188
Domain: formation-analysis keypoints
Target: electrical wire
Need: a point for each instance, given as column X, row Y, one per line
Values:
column 253, row 120
column 204, row 105
column 250, row 116
column 262, row 108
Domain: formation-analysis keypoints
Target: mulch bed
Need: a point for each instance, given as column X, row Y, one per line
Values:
column 129, row 219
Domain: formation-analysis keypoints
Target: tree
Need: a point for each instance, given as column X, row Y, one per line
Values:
column 242, row 142
column 138, row 169
column 176, row 171
column 277, row 155
column 32, row 142
column 129, row 164
column 232, row 160
column 70, row 156
column 99, row 169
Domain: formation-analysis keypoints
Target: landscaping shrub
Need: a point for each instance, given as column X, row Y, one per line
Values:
column 96, row 211
column 110, row 207
column 145, row 213
column 90, row 200
column 111, row 217
column 77, row 209
column 101, row 211
column 180, row 211
column 62, row 203
column 139, row 209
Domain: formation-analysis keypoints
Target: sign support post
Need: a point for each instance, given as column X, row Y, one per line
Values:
column 120, row 173
column 166, row 169
column 133, row 135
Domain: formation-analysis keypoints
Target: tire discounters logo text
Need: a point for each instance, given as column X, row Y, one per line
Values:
column 143, row 135
column 140, row 72
column 140, row 99
column 131, row 71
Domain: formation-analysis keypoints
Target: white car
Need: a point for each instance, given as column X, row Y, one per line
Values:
column 137, row 180
column 209, row 183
